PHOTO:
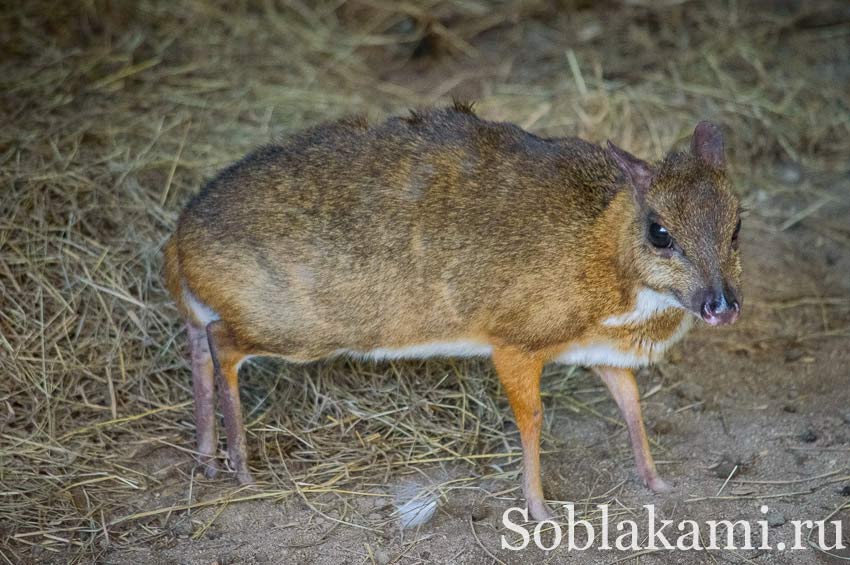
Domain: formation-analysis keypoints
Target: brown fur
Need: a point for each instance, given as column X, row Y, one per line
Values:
column 439, row 227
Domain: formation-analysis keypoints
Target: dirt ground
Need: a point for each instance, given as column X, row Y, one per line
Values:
column 114, row 117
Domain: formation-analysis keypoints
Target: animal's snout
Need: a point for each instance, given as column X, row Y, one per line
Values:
column 720, row 307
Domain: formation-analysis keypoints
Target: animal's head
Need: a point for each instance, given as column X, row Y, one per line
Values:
column 685, row 234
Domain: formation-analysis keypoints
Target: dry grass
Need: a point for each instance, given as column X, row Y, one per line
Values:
column 113, row 115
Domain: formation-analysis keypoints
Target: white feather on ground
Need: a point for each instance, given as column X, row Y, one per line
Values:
column 415, row 506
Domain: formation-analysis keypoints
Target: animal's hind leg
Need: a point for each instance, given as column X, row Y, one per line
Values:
column 226, row 356
column 202, row 385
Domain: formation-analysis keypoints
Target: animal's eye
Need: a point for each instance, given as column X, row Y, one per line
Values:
column 659, row 237
column 735, row 235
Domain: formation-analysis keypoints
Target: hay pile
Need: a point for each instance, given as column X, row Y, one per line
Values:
column 114, row 113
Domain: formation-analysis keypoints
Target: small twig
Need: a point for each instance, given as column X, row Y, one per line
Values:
column 788, row 482
column 723, row 486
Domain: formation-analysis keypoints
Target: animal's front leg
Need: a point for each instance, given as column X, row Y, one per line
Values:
column 519, row 373
column 623, row 387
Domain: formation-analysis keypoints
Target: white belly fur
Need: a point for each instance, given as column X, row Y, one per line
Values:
column 426, row 350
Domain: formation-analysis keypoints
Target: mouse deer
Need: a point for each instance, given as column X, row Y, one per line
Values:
column 443, row 234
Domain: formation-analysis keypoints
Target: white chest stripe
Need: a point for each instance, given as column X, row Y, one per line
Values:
column 604, row 353
column 600, row 354
column 649, row 303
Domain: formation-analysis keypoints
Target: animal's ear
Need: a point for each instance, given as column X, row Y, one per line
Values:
column 707, row 145
column 638, row 172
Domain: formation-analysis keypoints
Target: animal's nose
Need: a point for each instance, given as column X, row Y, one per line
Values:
column 720, row 308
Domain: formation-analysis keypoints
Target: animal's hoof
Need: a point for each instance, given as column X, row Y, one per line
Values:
column 244, row 477
column 538, row 510
column 658, row 485
column 210, row 468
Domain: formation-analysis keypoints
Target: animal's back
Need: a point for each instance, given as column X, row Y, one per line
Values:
column 410, row 230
